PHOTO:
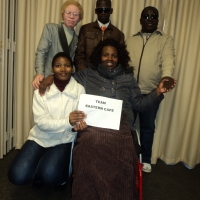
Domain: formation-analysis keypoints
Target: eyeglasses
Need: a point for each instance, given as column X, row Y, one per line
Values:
column 73, row 13
column 147, row 16
column 100, row 10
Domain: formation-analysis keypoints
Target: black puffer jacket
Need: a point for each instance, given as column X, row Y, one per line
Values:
column 117, row 84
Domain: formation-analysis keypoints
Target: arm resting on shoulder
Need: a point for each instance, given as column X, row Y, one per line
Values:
column 45, row 83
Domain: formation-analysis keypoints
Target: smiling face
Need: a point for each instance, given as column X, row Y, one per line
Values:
column 149, row 20
column 109, row 57
column 71, row 16
column 62, row 68
column 103, row 15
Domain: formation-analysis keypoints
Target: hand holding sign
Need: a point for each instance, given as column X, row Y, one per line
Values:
column 76, row 116
column 101, row 111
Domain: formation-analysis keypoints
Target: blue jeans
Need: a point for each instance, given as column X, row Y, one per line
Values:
column 147, row 129
column 41, row 165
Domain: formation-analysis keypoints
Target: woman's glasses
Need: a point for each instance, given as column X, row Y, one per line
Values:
column 100, row 10
column 147, row 16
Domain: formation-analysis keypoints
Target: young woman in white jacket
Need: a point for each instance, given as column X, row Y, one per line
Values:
column 46, row 155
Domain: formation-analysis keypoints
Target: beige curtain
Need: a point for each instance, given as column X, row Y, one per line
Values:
column 177, row 136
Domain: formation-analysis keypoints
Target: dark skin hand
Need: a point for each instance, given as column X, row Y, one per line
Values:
column 80, row 126
column 45, row 84
column 76, row 119
column 76, row 116
column 169, row 85
column 162, row 89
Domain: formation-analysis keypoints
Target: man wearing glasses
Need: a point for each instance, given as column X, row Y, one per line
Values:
column 91, row 34
column 152, row 56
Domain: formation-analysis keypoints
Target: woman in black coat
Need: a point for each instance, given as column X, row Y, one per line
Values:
column 105, row 159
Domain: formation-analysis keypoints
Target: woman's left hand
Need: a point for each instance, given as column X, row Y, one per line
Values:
column 76, row 116
column 163, row 86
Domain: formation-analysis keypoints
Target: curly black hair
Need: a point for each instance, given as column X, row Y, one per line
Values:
column 123, row 54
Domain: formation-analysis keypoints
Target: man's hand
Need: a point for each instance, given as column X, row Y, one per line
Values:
column 37, row 80
column 164, row 87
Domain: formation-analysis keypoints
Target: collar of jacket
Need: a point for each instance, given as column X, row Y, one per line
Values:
column 70, row 90
column 105, row 72
column 96, row 25
column 155, row 32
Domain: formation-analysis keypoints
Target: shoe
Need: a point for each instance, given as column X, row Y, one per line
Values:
column 146, row 167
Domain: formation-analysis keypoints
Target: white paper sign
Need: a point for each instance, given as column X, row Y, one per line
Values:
column 101, row 111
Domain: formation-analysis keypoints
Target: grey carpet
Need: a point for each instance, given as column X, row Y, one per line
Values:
column 166, row 182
